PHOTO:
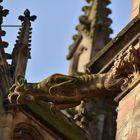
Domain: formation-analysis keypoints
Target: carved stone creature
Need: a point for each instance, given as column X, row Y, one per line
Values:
column 67, row 91
column 64, row 91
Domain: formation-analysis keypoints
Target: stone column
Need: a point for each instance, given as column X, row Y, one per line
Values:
column 135, row 8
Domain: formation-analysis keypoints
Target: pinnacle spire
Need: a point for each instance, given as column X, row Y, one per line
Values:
column 93, row 33
column 21, row 52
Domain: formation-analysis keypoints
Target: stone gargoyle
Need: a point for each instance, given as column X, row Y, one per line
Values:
column 65, row 91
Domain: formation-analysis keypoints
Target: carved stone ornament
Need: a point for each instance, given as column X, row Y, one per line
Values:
column 127, row 64
column 65, row 91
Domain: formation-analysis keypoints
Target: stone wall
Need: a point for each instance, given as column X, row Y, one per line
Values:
column 128, row 121
column 135, row 8
column 29, row 129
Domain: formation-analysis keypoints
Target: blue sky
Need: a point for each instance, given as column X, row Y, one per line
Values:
column 53, row 31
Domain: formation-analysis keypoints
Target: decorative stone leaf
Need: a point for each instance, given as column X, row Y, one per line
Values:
column 4, row 44
column 5, row 12
column 27, row 13
column 2, row 33
column 108, row 11
column 75, row 37
column 33, row 18
column 85, row 9
column 88, row 1
column 107, row 1
column 83, row 19
column 21, row 18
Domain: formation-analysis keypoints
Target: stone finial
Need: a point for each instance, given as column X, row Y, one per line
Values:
column 27, row 16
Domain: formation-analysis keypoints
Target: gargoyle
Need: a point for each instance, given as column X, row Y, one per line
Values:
column 65, row 91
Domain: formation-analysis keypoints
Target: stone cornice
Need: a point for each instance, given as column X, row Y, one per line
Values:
column 104, row 59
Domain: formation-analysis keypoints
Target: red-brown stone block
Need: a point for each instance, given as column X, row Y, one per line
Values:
column 126, row 108
column 128, row 120
column 133, row 136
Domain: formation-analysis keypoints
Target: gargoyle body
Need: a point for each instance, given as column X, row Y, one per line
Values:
column 65, row 91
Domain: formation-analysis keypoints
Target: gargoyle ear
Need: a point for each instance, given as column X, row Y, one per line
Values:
column 67, row 88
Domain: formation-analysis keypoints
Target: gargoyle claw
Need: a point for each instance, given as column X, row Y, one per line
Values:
column 12, row 97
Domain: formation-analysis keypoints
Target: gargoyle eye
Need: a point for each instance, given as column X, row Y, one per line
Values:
column 52, row 81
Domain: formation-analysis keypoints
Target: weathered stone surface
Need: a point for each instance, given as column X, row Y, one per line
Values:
column 135, row 8
column 28, row 124
column 128, row 121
